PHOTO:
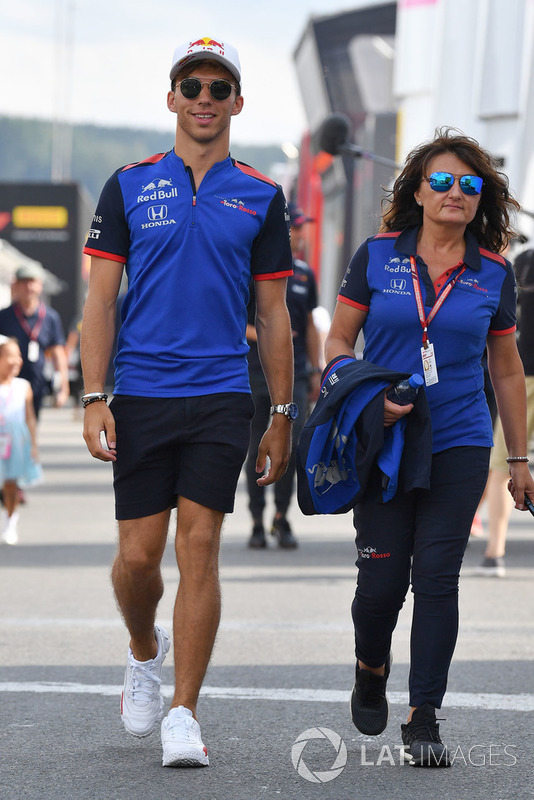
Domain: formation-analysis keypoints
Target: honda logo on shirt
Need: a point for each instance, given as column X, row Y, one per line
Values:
column 398, row 283
column 157, row 213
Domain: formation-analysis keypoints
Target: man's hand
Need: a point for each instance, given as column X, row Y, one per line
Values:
column 99, row 420
column 61, row 398
column 275, row 445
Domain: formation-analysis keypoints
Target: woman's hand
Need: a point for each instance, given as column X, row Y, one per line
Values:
column 394, row 412
column 520, row 483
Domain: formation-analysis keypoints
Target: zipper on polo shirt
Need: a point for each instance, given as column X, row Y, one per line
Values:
column 194, row 190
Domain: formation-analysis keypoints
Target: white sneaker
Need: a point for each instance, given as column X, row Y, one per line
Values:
column 141, row 700
column 181, row 740
column 9, row 528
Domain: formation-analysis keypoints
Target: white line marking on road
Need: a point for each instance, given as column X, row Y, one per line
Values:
column 479, row 700
column 254, row 625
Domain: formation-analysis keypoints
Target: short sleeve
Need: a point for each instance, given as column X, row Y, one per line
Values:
column 109, row 234
column 58, row 333
column 271, row 252
column 504, row 319
column 355, row 289
column 312, row 292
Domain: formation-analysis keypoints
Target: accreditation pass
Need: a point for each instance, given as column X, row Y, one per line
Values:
column 430, row 371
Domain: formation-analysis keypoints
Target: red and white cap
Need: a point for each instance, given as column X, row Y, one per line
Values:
column 206, row 47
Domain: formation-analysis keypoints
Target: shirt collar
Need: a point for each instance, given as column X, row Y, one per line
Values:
column 407, row 243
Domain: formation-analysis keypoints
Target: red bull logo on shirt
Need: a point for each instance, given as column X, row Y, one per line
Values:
column 161, row 189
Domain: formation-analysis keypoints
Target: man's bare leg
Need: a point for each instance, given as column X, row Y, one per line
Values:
column 197, row 609
column 137, row 581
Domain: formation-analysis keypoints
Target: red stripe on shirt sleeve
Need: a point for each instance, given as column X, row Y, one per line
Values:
column 150, row 160
column 503, row 333
column 253, row 172
column 101, row 254
column 271, row 276
column 493, row 256
column 387, row 235
column 352, row 303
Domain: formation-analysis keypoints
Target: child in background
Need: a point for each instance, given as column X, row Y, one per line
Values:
column 18, row 444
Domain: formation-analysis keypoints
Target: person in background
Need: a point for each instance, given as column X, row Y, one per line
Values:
column 38, row 329
column 18, row 440
column 191, row 227
column 499, row 502
column 322, row 321
column 301, row 298
column 429, row 292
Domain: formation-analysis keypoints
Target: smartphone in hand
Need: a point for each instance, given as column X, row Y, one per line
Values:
column 529, row 504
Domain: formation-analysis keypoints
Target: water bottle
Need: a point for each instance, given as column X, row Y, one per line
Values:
column 405, row 392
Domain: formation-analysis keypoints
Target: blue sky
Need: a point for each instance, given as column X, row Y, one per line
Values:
column 114, row 71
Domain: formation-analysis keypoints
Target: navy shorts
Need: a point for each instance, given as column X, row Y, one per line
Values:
column 192, row 447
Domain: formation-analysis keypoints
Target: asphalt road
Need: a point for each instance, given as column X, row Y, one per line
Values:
column 274, row 708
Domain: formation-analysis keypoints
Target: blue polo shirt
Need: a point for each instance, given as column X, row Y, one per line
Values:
column 189, row 253
column 49, row 332
column 482, row 302
column 301, row 299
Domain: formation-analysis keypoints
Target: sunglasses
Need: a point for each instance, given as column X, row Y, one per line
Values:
column 443, row 181
column 219, row 89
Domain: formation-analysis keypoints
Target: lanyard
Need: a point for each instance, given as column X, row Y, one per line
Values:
column 34, row 332
column 425, row 321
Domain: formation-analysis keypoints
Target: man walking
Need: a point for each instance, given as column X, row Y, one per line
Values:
column 38, row 329
column 301, row 299
column 191, row 225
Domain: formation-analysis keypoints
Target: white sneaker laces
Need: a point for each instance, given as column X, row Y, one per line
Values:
column 144, row 683
column 184, row 729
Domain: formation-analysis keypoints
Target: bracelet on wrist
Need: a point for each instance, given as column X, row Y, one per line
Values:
column 514, row 459
column 93, row 397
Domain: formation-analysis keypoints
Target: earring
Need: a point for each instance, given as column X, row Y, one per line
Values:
column 419, row 203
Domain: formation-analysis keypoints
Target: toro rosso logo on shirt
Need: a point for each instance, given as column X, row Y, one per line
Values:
column 472, row 283
column 236, row 203
column 161, row 189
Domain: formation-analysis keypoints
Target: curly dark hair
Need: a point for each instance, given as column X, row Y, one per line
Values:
column 491, row 226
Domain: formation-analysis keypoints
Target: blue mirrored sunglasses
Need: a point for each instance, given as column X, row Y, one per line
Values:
column 443, row 181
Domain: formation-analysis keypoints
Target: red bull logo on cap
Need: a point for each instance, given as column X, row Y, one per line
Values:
column 206, row 47
column 206, row 43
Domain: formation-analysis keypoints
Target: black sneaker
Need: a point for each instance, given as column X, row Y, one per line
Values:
column 369, row 706
column 257, row 539
column 420, row 737
column 494, row 567
column 281, row 530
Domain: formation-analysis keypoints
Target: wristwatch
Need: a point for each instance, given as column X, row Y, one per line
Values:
column 291, row 410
